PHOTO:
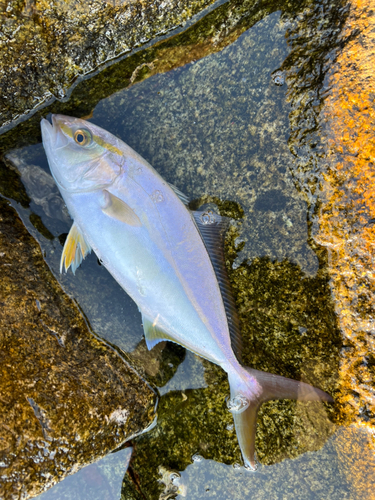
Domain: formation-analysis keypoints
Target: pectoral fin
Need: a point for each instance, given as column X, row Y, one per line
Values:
column 75, row 250
column 118, row 209
column 153, row 333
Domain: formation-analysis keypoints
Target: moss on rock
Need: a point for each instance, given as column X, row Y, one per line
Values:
column 67, row 398
column 47, row 45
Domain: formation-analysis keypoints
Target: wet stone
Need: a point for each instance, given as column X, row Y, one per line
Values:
column 272, row 200
column 47, row 45
column 221, row 128
column 67, row 398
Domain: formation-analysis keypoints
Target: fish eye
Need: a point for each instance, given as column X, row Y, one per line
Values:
column 82, row 137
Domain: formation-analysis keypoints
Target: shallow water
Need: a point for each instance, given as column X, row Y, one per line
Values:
column 240, row 124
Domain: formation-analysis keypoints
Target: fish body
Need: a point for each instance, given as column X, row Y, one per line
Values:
column 166, row 257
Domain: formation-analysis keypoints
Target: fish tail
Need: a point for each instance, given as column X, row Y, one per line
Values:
column 249, row 389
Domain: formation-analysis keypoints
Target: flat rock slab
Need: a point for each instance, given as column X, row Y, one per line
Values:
column 66, row 398
column 47, row 44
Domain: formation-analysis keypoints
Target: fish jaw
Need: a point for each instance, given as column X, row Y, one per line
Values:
column 48, row 136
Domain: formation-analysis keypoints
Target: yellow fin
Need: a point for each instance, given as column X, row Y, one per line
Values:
column 75, row 250
column 118, row 209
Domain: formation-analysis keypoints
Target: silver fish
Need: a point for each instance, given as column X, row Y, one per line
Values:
column 168, row 258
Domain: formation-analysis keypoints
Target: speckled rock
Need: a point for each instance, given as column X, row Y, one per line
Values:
column 66, row 397
column 341, row 470
column 228, row 141
column 333, row 144
column 221, row 128
column 47, row 45
column 211, row 34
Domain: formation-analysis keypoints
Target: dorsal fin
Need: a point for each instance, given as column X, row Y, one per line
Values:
column 185, row 200
column 153, row 333
column 212, row 228
column 75, row 249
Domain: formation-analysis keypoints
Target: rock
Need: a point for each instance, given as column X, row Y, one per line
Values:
column 333, row 166
column 215, row 31
column 228, row 140
column 341, row 470
column 47, row 45
column 67, row 398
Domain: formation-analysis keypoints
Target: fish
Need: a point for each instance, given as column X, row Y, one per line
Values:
column 168, row 258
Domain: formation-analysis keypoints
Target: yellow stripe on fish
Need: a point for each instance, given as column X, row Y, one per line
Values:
column 98, row 140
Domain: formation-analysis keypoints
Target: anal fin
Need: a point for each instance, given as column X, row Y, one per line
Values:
column 153, row 333
column 75, row 250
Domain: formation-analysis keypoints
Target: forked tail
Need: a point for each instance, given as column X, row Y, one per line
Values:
column 253, row 388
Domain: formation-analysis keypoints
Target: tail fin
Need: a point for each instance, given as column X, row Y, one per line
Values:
column 261, row 387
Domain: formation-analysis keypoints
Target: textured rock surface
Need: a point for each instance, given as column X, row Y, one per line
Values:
column 347, row 217
column 211, row 34
column 228, row 139
column 342, row 470
column 46, row 45
column 66, row 398
column 332, row 139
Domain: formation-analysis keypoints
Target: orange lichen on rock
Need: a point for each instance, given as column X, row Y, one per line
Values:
column 347, row 216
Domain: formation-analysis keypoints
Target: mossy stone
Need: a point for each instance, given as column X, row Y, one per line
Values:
column 67, row 398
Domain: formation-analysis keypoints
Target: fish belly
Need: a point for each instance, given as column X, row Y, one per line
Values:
column 146, row 262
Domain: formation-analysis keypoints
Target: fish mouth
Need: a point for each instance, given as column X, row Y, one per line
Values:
column 48, row 132
column 52, row 135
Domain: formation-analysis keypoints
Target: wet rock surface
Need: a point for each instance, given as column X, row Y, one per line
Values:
column 47, row 45
column 101, row 480
column 346, row 221
column 332, row 140
column 345, row 460
column 215, row 31
column 227, row 141
column 67, row 398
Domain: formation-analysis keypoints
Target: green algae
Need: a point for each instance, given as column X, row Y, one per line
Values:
column 11, row 185
column 159, row 365
column 36, row 221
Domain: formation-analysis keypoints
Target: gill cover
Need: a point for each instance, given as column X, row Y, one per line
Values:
column 82, row 157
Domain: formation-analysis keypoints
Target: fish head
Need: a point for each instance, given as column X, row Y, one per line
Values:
column 82, row 156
